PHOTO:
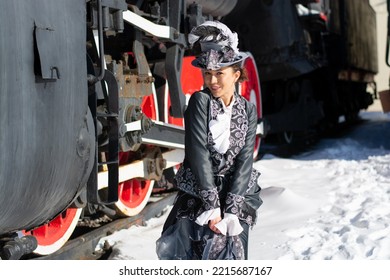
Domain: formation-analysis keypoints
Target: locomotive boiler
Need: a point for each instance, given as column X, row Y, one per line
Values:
column 92, row 96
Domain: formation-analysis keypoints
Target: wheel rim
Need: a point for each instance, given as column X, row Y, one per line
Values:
column 53, row 235
column 133, row 195
column 250, row 89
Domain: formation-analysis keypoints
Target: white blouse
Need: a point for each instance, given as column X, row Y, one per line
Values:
column 220, row 128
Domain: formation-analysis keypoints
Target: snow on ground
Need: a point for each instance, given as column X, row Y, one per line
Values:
column 329, row 203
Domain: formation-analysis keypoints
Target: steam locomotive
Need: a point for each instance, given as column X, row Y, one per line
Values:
column 92, row 96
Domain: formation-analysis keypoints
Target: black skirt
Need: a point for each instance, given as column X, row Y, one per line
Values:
column 183, row 239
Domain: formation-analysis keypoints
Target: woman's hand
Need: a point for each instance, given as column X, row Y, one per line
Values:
column 213, row 222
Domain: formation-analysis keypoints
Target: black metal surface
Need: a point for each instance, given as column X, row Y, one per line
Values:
column 112, row 149
column 216, row 8
column 173, row 62
column 354, row 25
column 165, row 135
column 15, row 247
column 44, row 143
column 46, row 59
column 271, row 31
column 327, row 45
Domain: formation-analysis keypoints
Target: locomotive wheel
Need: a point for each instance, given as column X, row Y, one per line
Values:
column 250, row 89
column 53, row 235
column 133, row 195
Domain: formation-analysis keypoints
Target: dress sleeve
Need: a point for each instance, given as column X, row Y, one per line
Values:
column 197, row 154
column 243, row 171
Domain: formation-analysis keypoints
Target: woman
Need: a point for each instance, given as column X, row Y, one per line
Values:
column 218, row 193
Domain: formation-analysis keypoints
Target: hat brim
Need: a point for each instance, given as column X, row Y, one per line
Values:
column 239, row 58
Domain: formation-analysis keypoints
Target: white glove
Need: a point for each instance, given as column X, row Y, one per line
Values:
column 229, row 225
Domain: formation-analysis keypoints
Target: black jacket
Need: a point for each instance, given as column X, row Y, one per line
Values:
column 233, row 187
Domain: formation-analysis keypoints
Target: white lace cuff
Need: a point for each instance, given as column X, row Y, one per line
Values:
column 230, row 225
column 206, row 216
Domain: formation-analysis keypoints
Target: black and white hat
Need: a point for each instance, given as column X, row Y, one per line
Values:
column 218, row 46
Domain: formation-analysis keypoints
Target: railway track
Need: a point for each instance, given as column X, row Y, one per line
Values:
column 83, row 247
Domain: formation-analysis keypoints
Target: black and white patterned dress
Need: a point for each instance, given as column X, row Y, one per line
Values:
column 212, row 177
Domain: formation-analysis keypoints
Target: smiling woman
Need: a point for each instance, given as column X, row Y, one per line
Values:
column 218, row 192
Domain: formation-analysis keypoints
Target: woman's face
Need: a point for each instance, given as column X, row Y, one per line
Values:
column 221, row 82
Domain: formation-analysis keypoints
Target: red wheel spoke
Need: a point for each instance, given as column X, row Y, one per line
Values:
column 54, row 234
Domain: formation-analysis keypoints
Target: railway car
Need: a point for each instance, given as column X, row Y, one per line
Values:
column 92, row 96
column 384, row 95
column 317, row 61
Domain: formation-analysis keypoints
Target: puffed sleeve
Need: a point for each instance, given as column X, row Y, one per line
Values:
column 243, row 167
column 197, row 155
